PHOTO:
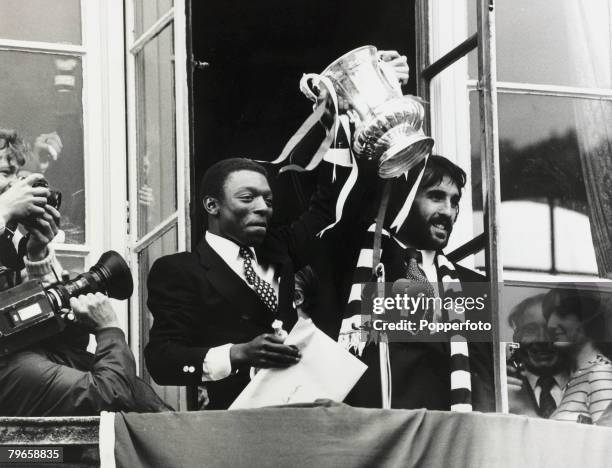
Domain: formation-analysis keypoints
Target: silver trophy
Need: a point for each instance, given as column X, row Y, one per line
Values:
column 388, row 124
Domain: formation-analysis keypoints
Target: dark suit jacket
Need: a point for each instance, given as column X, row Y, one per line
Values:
column 421, row 370
column 60, row 378
column 199, row 302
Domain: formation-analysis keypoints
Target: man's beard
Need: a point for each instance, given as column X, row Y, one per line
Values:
column 419, row 232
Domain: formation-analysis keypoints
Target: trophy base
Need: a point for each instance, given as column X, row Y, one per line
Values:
column 403, row 154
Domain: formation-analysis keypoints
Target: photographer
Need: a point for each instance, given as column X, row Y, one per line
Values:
column 57, row 376
column 24, row 201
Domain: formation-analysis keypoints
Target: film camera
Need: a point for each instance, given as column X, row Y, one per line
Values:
column 30, row 312
column 55, row 196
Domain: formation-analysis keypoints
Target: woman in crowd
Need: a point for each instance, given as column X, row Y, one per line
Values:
column 577, row 322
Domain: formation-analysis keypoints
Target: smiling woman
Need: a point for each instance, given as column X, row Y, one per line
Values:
column 577, row 323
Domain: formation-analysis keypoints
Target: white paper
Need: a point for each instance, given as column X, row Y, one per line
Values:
column 326, row 370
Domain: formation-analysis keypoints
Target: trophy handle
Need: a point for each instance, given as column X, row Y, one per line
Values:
column 309, row 84
column 390, row 75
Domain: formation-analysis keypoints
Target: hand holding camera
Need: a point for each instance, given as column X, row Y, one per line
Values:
column 24, row 199
column 94, row 311
column 42, row 230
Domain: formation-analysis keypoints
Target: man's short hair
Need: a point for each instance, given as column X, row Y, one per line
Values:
column 437, row 168
column 214, row 179
column 18, row 150
column 515, row 319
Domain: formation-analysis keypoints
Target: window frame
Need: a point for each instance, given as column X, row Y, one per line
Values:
column 103, row 102
column 176, row 17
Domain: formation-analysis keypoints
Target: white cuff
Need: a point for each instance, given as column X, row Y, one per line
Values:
column 217, row 364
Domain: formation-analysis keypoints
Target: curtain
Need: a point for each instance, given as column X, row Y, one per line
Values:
column 589, row 24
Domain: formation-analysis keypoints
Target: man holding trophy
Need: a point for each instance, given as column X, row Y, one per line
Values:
column 213, row 308
column 405, row 246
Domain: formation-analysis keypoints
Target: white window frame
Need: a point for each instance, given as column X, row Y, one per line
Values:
column 450, row 115
column 103, row 100
column 180, row 218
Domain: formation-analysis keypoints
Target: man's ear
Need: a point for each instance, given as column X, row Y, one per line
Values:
column 211, row 205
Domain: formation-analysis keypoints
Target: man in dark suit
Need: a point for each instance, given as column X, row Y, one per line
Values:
column 421, row 369
column 213, row 308
column 538, row 371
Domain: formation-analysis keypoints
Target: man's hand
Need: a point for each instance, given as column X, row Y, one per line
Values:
column 42, row 231
column 21, row 200
column 518, row 400
column 264, row 351
column 399, row 64
column 94, row 311
column 47, row 147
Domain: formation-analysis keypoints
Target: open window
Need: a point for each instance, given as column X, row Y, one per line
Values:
column 520, row 97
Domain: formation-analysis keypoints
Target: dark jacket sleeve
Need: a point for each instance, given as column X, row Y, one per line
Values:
column 172, row 347
column 40, row 383
column 299, row 237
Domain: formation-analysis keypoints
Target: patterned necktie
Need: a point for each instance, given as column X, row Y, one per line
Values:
column 415, row 275
column 547, row 403
column 263, row 289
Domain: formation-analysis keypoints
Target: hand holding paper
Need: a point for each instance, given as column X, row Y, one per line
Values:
column 326, row 370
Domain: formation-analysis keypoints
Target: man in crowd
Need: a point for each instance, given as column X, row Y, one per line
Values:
column 213, row 308
column 539, row 371
column 421, row 370
column 57, row 376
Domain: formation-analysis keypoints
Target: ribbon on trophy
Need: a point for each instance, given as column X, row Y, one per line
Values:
column 320, row 107
column 388, row 125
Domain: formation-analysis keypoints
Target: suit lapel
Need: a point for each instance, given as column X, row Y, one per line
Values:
column 231, row 286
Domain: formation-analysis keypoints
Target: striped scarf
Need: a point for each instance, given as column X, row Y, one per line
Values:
column 351, row 334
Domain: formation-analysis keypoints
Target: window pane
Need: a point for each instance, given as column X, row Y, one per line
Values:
column 73, row 264
column 156, row 132
column 147, row 12
column 545, row 209
column 41, row 98
column 566, row 42
column 165, row 245
column 41, row 20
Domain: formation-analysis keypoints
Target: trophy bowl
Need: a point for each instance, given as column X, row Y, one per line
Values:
column 388, row 124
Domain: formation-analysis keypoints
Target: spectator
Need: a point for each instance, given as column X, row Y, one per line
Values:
column 577, row 324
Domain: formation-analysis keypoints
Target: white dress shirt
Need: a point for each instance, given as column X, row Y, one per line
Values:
column 557, row 389
column 217, row 364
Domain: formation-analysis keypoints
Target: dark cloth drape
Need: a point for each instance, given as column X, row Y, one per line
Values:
column 341, row 436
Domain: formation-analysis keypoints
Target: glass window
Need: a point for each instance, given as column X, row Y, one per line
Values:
column 156, row 132
column 545, row 209
column 147, row 12
column 165, row 245
column 73, row 264
column 41, row 98
column 571, row 47
column 41, row 20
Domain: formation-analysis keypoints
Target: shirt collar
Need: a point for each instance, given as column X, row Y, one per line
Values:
column 227, row 249
column 561, row 379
